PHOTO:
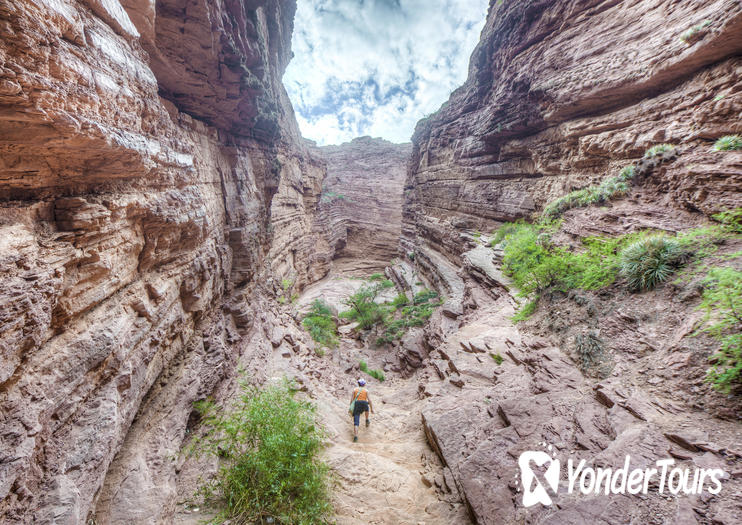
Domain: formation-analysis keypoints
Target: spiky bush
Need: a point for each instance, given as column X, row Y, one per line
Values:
column 728, row 143
column 658, row 150
column 627, row 173
column 651, row 261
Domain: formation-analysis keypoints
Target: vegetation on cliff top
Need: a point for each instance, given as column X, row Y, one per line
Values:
column 639, row 261
column 268, row 445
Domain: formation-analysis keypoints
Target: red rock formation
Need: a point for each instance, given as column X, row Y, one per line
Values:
column 560, row 95
column 151, row 174
column 563, row 93
column 362, row 201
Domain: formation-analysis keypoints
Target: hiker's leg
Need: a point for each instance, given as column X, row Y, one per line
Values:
column 367, row 422
column 356, row 422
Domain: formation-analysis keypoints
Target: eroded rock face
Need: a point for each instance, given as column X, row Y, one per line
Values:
column 561, row 94
column 151, row 180
column 362, row 201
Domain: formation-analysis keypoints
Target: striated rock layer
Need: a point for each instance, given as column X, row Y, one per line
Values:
column 362, row 201
column 562, row 94
column 152, row 181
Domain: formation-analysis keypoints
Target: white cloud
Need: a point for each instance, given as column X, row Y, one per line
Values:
column 375, row 67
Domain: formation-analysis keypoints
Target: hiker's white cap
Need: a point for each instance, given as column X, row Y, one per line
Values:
column 361, row 381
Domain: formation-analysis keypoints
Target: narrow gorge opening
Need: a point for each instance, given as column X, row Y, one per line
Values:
column 548, row 269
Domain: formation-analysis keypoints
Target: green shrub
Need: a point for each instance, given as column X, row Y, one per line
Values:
column 728, row 143
column 400, row 301
column 409, row 315
column 376, row 374
column 286, row 284
column 650, row 261
column 627, row 173
column 321, row 325
column 731, row 220
column 376, row 277
column 268, row 446
column 608, row 189
column 658, row 150
column 330, row 196
column 497, row 358
column 722, row 300
column 363, row 307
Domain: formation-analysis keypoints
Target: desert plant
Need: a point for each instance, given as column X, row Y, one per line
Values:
column 691, row 35
column 407, row 315
column 321, row 325
column 728, row 143
column 268, row 445
column 363, row 307
column 497, row 358
column 650, row 261
column 610, row 188
column 658, row 150
column 627, row 173
column 590, row 353
column 731, row 220
column 400, row 301
column 286, row 284
column 376, row 374
column 722, row 301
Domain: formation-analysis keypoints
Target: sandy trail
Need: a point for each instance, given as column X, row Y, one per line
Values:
column 379, row 479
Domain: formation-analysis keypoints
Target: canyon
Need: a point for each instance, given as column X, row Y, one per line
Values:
column 164, row 225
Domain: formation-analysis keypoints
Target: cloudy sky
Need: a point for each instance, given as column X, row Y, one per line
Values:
column 375, row 67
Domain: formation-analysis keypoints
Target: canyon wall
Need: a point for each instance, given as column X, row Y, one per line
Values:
column 153, row 187
column 362, row 201
column 561, row 95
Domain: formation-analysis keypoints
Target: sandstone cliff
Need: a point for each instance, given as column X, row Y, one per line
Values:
column 152, row 182
column 561, row 95
column 362, row 201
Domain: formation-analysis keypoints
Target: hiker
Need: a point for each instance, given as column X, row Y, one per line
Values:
column 361, row 402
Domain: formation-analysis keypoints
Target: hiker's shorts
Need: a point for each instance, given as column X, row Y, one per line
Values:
column 359, row 408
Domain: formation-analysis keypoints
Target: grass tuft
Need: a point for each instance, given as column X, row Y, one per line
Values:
column 376, row 374
column 657, row 150
column 728, row 143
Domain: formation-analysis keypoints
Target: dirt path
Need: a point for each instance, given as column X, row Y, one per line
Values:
column 389, row 476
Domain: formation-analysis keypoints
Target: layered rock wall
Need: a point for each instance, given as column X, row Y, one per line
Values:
column 152, row 183
column 362, row 201
column 561, row 94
